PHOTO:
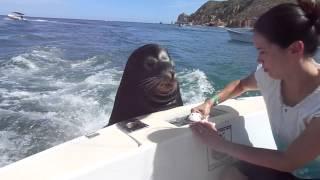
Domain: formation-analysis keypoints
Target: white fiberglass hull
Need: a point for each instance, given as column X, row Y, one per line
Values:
column 242, row 36
column 15, row 17
column 161, row 151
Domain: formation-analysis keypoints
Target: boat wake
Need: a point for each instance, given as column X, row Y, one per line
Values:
column 47, row 99
column 37, row 20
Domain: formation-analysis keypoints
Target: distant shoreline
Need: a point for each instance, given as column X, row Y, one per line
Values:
column 33, row 17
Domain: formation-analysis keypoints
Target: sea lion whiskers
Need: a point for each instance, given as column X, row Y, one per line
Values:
column 154, row 82
column 150, row 80
column 147, row 80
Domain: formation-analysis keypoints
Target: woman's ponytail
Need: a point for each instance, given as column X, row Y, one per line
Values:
column 312, row 11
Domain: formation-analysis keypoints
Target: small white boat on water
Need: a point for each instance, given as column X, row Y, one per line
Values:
column 16, row 16
column 241, row 34
column 161, row 147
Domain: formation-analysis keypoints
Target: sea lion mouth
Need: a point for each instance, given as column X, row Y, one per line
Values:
column 165, row 88
column 160, row 90
column 164, row 93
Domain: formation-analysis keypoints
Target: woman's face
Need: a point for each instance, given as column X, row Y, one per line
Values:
column 272, row 57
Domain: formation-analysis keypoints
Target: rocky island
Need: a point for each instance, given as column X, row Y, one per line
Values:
column 231, row 13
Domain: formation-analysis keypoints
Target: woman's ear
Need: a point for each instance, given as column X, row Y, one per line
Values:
column 296, row 48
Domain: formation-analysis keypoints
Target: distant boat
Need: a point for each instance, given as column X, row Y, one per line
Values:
column 16, row 16
column 241, row 34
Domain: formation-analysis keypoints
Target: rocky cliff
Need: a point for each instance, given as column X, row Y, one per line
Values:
column 232, row 13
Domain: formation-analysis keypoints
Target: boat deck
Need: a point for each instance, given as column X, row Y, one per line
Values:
column 160, row 151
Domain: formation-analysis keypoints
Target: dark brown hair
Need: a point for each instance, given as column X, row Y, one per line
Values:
column 288, row 22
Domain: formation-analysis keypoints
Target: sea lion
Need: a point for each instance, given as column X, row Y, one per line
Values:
column 148, row 85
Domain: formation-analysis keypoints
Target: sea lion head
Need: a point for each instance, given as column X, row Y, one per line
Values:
column 148, row 85
column 154, row 73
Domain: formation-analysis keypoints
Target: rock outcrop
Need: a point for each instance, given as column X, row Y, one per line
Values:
column 183, row 19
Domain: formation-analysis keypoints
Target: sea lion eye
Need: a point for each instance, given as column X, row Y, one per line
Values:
column 150, row 63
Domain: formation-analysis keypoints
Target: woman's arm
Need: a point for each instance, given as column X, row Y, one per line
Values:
column 304, row 149
column 237, row 87
column 233, row 89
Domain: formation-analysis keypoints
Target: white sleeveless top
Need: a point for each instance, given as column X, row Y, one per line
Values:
column 287, row 122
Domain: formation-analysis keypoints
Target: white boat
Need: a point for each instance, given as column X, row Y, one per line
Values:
column 162, row 150
column 16, row 16
column 241, row 34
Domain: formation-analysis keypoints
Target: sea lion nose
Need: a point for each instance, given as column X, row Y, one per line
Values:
column 173, row 74
column 167, row 71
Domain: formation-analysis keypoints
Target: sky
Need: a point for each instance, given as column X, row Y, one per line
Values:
column 155, row 11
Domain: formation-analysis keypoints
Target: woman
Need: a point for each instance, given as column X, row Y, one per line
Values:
column 286, row 38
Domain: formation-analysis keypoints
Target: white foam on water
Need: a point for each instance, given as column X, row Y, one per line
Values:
column 24, row 64
column 9, row 143
column 51, row 54
column 20, row 94
column 31, row 62
column 51, row 100
column 50, row 21
column 75, row 113
column 110, row 77
column 45, row 21
column 85, row 63
column 37, row 20
column 194, row 86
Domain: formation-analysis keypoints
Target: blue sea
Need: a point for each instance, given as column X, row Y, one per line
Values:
column 59, row 77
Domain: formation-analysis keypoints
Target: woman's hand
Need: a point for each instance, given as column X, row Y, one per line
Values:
column 204, row 108
column 208, row 134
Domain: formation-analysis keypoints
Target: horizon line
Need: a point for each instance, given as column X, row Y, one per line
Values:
column 149, row 22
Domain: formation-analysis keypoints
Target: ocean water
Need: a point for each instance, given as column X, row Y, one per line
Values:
column 59, row 77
